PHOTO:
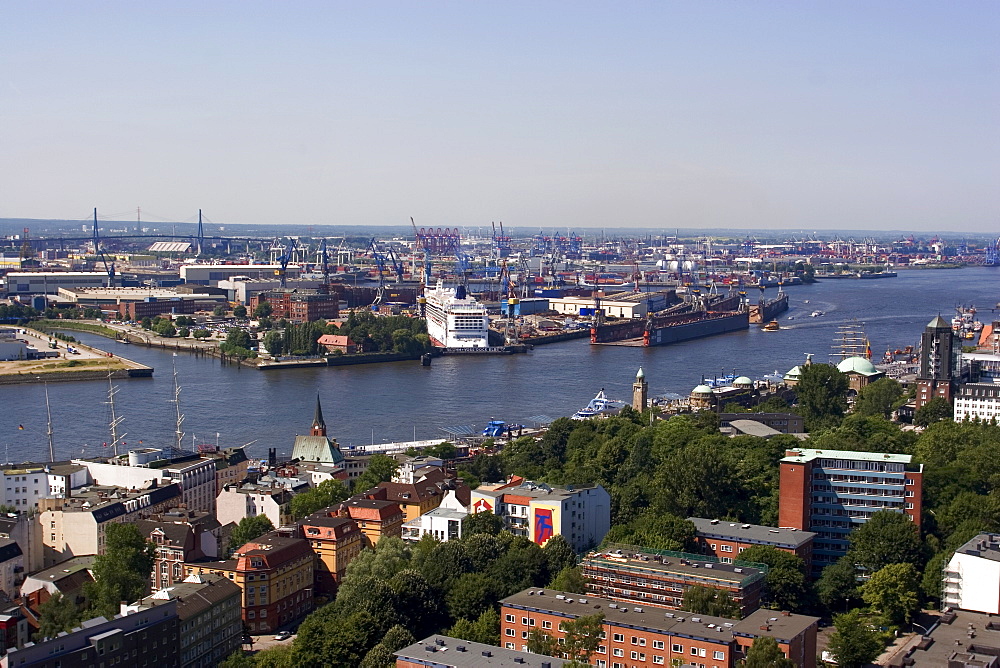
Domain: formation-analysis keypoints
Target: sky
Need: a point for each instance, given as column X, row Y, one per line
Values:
column 557, row 115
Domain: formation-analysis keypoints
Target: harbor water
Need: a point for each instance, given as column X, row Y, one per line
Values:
column 377, row 403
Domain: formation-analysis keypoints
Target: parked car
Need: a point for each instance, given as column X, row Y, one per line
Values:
column 283, row 635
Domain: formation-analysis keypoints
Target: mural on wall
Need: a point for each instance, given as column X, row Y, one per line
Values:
column 482, row 506
column 543, row 525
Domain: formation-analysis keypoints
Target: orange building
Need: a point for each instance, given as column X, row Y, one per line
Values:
column 375, row 517
column 638, row 637
column 335, row 541
column 276, row 576
column 415, row 499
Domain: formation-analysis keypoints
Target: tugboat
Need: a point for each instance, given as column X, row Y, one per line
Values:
column 772, row 326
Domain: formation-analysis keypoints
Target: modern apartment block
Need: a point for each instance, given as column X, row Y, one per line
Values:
column 639, row 637
column 971, row 580
column 832, row 492
column 660, row 579
column 580, row 513
column 726, row 540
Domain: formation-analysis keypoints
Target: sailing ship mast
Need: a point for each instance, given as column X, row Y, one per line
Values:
column 851, row 341
column 179, row 435
column 48, row 413
column 115, row 419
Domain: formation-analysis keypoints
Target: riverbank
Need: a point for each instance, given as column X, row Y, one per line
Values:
column 76, row 362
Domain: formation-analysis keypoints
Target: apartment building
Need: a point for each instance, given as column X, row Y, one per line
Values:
column 75, row 526
column 726, row 540
column 275, row 574
column 335, row 541
column 831, row 492
column 375, row 517
column 179, row 538
column 640, row 637
column 251, row 499
column 193, row 473
column 444, row 652
column 24, row 485
column 660, row 579
column 971, row 580
column 579, row 513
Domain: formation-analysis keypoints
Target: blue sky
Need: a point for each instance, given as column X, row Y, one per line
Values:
column 803, row 115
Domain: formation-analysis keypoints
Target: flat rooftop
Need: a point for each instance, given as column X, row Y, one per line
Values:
column 985, row 545
column 751, row 533
column 688, row 566
column 969, row 633
column 803, row 455
column 440, row 650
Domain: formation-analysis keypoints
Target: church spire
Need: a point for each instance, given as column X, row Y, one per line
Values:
column 318, row 425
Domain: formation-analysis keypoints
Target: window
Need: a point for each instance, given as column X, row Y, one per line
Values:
column 509, row 645
column 524, row 635
column 694, row 651
column 510, row 618
column 635, row 641
column 726, row 548
column 602, row 649
column 642, row 642
column 718, row 656
column 677, row 648
column 619, row 637
column 617, row 651
column 657, row 644
column 658, row 659
column 546, row 624
column 524, row 621
column 510, row 632
column 634, row 656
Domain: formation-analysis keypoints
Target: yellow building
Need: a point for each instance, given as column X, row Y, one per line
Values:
column 335, row 541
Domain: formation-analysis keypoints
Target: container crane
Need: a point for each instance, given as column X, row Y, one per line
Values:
column 99, row 250
column 508, row 288
column 425, row 273
column 283, row 260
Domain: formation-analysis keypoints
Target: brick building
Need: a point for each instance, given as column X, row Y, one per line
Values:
column 659, row 578
column 298, row 305
column 179, row 537
column 444, row 652
column 375, row 517
column 639, row 637
column 940, row 351
column 335, row 541
column 726, row 540
column 276, row 576
column 831, row 492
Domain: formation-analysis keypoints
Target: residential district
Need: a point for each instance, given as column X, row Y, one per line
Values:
column 629, row 538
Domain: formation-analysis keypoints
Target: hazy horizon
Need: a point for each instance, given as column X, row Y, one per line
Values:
column 776, row 116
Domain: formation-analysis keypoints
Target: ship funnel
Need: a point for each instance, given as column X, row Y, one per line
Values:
column 460, row 292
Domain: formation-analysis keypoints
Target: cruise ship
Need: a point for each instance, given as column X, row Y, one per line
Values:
column 454, row 319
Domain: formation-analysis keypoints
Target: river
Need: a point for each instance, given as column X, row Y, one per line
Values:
column 402, row 401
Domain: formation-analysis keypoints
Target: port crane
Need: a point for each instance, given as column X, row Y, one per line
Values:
column 508, row 288
column 425, row 273
column 99, row 251
column 283, row 260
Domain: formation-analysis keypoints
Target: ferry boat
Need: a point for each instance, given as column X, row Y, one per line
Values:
column 598, row 406
column 772, row 326
column 454, row 319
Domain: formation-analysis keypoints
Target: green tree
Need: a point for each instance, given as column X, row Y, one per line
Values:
column 879, row 398
column 323, row 495
column 482, row 523
column 580, row 639
column 381, row 468
column 709, row 601
column 240, row 311
column 559, row 554
column 238, row 659
column 886, row 538
column 486, row 629
column 201, row 334
column 821, row 393
column 765, row 653
column 57, row 614
column 219, row 310
column 935, row 410
column 838, row 584
column 248, row 529
column 787, row 588
column 471, row 595
column 894, row 591
column 855, row 641
column 570, row 580
column 238, row 338
column 263, row 310
column 381, row 655
column 122, row 572
column 330, row 637
column 274, row 343
column 281, row 656
column 183, row 332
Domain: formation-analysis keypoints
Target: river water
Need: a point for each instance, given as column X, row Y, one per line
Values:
column 403, row 401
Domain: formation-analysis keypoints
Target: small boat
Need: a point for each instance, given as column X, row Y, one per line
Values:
column 815, row 314
column 791, row 317
column 597, row 406
column 805, row 301
column 772, row 326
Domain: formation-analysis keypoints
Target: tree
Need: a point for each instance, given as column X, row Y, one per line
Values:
column 57, row 614
column 238, row 659
column 786, row 576
column 381, row 468
column 240, row 311
column 471, row 595
column 321, row 496
column 330, row 637
column 570, row 580
column 580, row 638
column 183, row 332
column 879, row 398
column 886, row 538
column 935, row 410
column 894, row 591
column 559, row 554
column 381, row 655
column 486, row 629
column 280, row 656
column 201, row 334
column 238, row 338
column 263, row 310
column 482, row 523
column 248, row 529
column 765, row 653
column 838, row 584
column 709, row 601
column 274, row 343
column 855, row 642
column 821, row 392
column 122, row 572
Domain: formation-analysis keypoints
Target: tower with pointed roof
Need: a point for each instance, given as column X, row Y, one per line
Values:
column 318, row 425
column 939, row 367
column 640, row 391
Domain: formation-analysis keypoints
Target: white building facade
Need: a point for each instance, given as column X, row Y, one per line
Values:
column 971, row 580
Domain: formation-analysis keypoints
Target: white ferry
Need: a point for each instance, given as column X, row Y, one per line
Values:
column 454, row 319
